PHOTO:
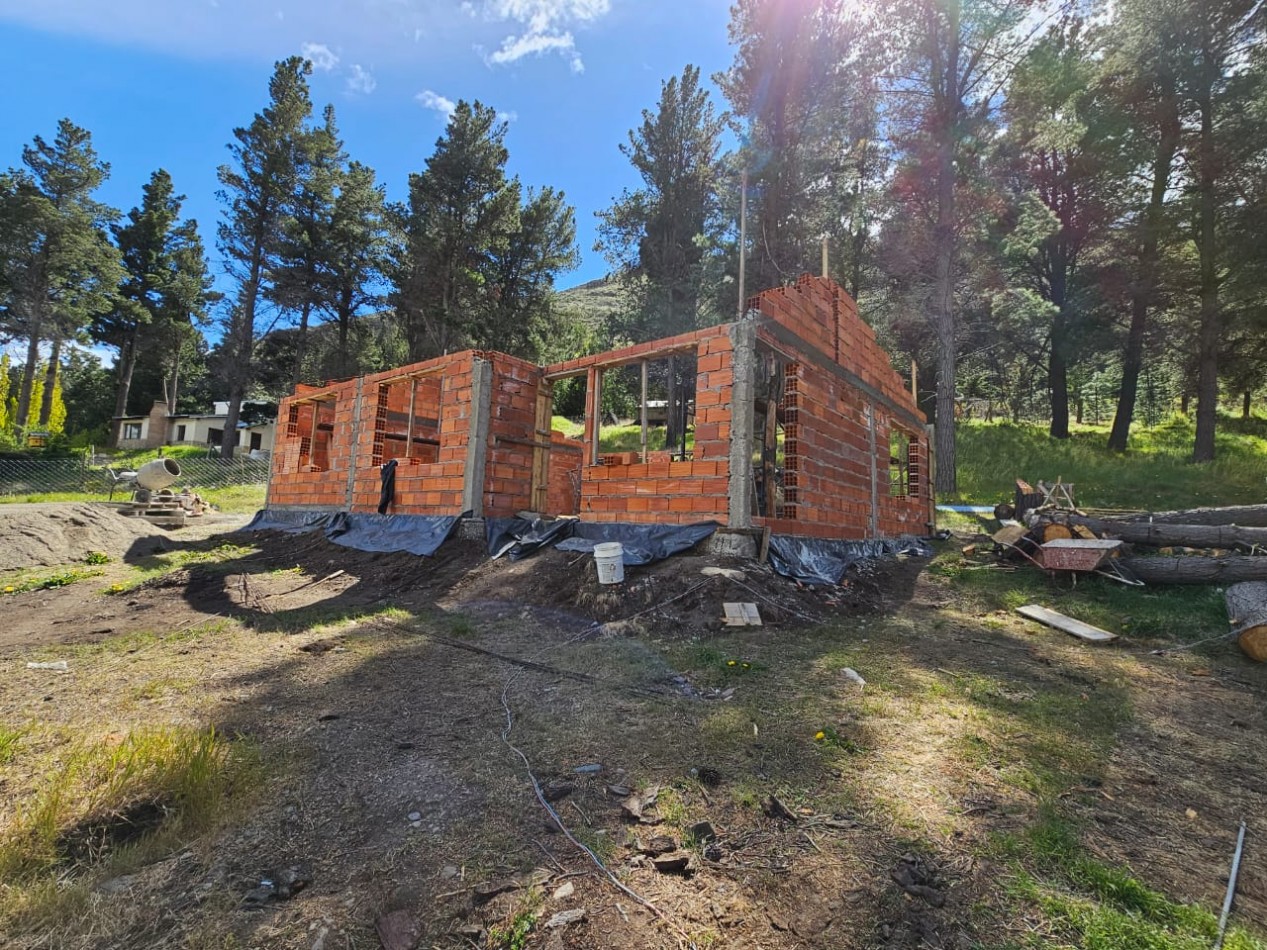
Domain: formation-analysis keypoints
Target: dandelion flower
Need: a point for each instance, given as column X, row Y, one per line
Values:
column 9, row 590
column 747, row 666
column 730, row 662
column 819, row 736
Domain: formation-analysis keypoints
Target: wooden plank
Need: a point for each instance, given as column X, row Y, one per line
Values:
column 1083, row 631
column 741, row 615
column 541, row 452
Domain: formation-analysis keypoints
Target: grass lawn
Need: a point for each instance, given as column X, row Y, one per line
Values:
column 1156, row 473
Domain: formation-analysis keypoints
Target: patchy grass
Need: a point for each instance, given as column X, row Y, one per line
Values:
column 1156, row 473
column 1171, row 614
column 235, row 499
column 1097, row 906
column 23, row 581
column 110, row 796
column 10, row 739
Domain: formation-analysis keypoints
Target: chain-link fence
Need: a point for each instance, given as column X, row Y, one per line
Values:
column 43, row 476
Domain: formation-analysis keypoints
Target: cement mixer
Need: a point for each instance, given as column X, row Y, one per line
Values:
column 158, row 474
column 153, row 500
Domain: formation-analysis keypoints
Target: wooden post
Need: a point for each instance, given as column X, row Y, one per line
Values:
column 644, row 411
column 541, row 448
column 409, row 431
column 825, row 272
column 914, row 381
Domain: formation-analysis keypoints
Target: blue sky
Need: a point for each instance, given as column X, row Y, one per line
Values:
column 162, row 83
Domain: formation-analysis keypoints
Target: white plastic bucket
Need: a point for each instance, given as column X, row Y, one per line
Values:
column 609, row 560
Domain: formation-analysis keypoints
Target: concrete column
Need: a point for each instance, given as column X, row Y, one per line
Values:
column 743, row 337
column 354, row 443
column 874, row 521
column 477, row 437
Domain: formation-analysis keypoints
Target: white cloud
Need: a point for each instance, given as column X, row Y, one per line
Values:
column 433, row 100
column 320, row 55
column 544, row 27
column 361, row 80
column 384, row 32
column 508, row 116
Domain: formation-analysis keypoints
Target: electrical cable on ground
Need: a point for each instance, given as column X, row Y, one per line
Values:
column 684, row 939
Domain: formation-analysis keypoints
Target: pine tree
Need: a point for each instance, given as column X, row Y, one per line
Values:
column 167, row 282
column 947, row 57
column 257, row 188
column 60, row 270
column 471, row 263
column 791, row 83
column 358, row 254
column 301, row 274
column 1058, row 151
column 659, row 234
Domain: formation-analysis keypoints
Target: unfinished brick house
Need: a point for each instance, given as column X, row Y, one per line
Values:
column 799, row 423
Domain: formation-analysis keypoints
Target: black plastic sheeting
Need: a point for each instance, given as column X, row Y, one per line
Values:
column 640, row 543
column 417, row 534
column 517, row 537
column 386, row 534
column 289, row 521
column 819, row 561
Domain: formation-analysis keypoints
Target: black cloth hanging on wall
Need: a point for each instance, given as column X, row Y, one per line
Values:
column 388, row 493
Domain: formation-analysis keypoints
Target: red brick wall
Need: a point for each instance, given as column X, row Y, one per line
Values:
column 567, row 457
column 512, row 423
column 828, row 465
column 664, row 492
column 676, row 492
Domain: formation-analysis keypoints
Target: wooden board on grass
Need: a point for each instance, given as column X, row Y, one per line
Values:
column 1083, row 631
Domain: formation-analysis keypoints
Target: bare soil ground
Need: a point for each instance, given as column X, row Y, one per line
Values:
column 386, row 695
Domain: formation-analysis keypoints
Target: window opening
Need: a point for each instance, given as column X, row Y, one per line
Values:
column 899, row 464
column 407, row 420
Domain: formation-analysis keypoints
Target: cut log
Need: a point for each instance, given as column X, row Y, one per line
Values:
column 1197, row 570
column 1247, row 612
column 1247, row 516
column 1166, row 535
column 1055, row 531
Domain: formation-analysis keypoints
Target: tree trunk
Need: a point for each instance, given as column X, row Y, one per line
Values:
column 345, row 324
column 1247, row 613
column 50, row 383
column 171, row 385
column 1144, row 288
column 1058, row 380
column 127, row 363
column 1185, row 402
column 1208, row 339
column 943, row 314
column 1163, row 534
column 1245, row 404
column 301, row 345
column 1197, row 570
column 28, row 375
column 1247, row 516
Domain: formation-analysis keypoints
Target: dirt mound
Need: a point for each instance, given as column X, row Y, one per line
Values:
column 49, row 534
column 683, row 593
